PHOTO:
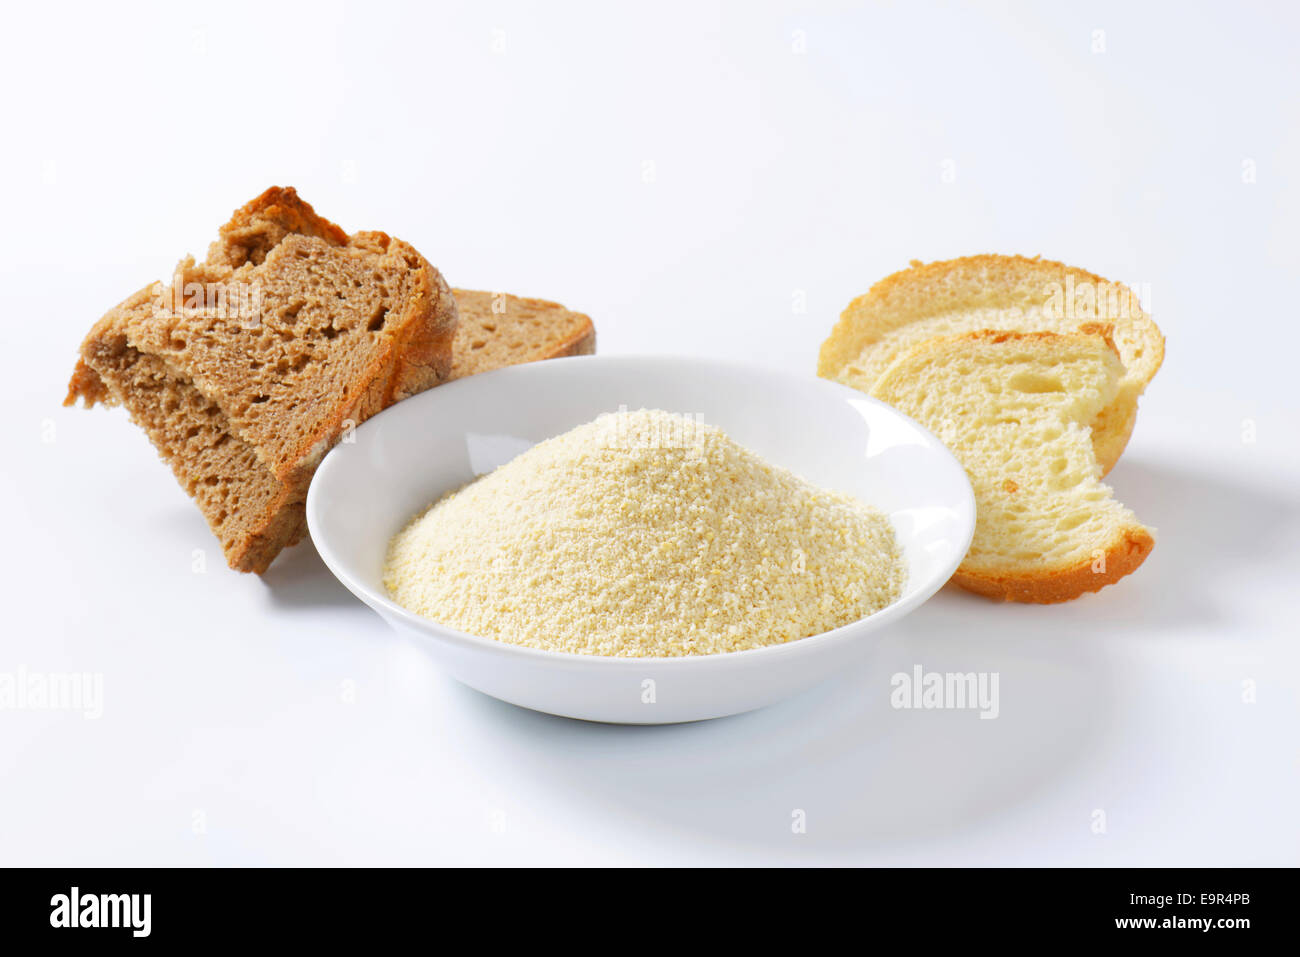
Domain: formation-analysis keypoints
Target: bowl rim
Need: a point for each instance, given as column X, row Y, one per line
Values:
column 389, row 609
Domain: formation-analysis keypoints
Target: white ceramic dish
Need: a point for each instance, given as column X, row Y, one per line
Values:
column 368, row 488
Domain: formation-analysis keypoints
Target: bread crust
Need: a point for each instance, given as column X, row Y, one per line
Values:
column 1051, row 586
column 259, row 225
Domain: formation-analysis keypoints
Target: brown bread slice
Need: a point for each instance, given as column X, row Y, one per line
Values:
column 500, row 330
column 243, row 396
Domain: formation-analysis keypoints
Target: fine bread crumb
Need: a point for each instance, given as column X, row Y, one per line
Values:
column 644, row 534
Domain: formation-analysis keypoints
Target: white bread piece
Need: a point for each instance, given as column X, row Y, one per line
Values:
column 1009, row 293
column 1015, row 409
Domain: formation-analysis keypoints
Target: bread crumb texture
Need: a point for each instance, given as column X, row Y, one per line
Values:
column 645, row 534
column 1015, row 409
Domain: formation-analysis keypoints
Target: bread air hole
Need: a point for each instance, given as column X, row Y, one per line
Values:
column 1071, row 521
column 1035, row 382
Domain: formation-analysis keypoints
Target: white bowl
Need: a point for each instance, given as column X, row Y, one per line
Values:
column 398, row 462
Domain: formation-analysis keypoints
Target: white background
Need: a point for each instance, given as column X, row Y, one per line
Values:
column 690, row 175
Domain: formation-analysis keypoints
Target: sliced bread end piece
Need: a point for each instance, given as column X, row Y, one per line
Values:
column 1016, row 410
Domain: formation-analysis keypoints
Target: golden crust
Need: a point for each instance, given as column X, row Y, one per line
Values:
column 1053, row 585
